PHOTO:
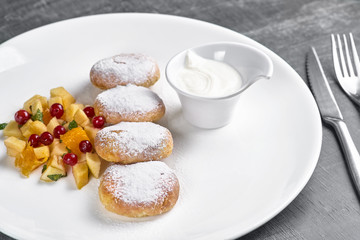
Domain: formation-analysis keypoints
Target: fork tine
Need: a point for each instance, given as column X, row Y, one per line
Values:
column 342, row 59
column 348, row 58
column 335, row 58
column 355, row 54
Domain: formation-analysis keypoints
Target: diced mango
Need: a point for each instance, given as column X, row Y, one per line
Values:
column 12, row 130
column 94, row 163
column 67, row 98
column 81, row 118
column 81, row 174
column 46, row 116
column 15, row 144
column 33, row 99
column 42, row 152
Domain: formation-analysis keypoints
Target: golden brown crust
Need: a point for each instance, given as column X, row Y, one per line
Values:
column 110, row 148
column 110, row 72
column 163, row 202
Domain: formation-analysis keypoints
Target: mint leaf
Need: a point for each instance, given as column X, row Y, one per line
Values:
column 44, row 168
column 55, row 177
column 37, row 116
column 2, row 126
column 73, row 124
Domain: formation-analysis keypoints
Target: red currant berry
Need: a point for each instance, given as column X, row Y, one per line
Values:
column 22, row 116
column 56, row 110
column 98, row 121
column 70, row 159
column 46, row 138
column 85, row 146
column 89, row 111
column 34, row 140
column 59, row 130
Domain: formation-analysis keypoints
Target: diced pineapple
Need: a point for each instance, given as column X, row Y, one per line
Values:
column 81, row 174
column 25, row 129
column 56, row 99
column 53, row 144
column 67, row 98
column 71, row 110
column 57, row 162
column 51, row 171
column 93, row 161
column 12, row 130
column 59, row 149
column 42, row 152
column 15, row 144
column 11, row 152
column 33, row 99
column 52, row 125
column 37, row 127
column 91, row 133
column 81, row 118
column 82, row 157
column 66, row 126
column 35, row 106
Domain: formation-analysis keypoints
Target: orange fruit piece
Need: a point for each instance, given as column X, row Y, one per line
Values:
column 72, row 139
column 46, row 116
column 27, row 161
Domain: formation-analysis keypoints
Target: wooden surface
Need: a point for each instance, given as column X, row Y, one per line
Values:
column 327, row 208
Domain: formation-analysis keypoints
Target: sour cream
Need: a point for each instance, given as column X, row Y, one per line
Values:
column 208, row 78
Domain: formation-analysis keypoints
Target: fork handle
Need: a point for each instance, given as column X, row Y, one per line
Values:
column 352, row 156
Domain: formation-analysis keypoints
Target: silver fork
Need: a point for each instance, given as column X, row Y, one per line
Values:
column 348, row 78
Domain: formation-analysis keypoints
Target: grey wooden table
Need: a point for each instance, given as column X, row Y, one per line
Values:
column 327, row 208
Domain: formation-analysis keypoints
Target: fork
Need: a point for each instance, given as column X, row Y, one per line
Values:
column 348, row 78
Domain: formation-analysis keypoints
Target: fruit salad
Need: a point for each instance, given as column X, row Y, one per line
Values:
column 57, row 134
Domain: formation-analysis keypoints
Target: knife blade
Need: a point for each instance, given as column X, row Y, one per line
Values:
column 331, row 114
column 320, row 87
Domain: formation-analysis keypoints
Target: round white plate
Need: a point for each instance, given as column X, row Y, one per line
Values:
column 233, row 179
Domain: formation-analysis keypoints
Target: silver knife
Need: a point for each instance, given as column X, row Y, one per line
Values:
column 331, row 114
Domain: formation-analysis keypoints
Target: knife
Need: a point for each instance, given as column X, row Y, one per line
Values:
column 331, row 114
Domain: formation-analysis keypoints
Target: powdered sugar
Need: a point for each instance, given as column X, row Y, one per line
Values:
column 129, row 100
column 135, row 138
column 141, row 183
column 126, row 68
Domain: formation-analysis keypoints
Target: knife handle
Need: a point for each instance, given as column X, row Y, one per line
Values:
column 352, row 156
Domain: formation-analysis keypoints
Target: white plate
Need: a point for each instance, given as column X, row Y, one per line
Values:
column 232, row 179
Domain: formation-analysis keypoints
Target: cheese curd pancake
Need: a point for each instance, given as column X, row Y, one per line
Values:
column 139, row 190
column 129, row 103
